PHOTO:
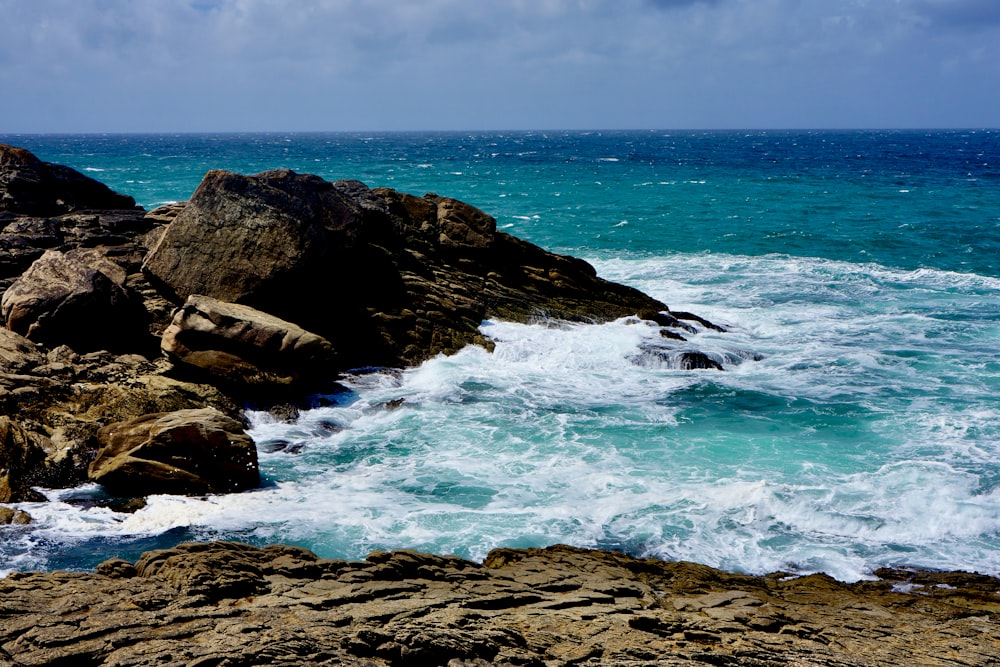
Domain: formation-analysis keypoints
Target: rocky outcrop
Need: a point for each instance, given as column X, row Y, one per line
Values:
column 22, row 462
column 259, row 288
column 246, row 348
column 184, row 452
column 32, row 187
column 403, row 278
column 232, row 604
column 18, row 354
column 60, row 399
column 77, row 298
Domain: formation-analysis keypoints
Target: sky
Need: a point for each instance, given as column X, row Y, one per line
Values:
column 398, row 65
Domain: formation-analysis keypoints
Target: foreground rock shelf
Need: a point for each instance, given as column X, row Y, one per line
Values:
column 232, row 604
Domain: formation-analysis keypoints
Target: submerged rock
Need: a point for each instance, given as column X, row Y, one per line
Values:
column 184, row 452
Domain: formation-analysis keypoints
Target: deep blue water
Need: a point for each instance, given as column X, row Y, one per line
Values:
column 856, row 423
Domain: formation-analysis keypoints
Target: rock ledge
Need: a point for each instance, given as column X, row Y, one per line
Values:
column 233, row 604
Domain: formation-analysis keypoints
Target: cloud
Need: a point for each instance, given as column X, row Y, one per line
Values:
column 962, row 14
column 395, row 64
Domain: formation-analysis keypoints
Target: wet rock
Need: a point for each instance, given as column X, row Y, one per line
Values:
column 22, row 462
column 660, row 356
column 184, row 452
column 10, row 516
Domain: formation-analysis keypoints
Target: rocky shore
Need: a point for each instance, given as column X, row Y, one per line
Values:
column 232, row 604
column 133, row 341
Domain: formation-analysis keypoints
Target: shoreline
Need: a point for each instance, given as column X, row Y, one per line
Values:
column 229, row 603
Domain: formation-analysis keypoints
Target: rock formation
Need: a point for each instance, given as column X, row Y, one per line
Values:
column 229, row 289
column 232, row 604
column 32, row 187
column 182, row 452
column 403, row 278
column 77, row 298
column 246, row 348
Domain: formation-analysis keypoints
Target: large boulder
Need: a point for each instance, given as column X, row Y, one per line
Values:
column 30, row 186
column 246, row 348
column 77, row 298
column 248, row 239
column 184, row 452
column 388, row 278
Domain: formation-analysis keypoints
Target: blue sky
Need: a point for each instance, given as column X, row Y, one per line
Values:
column 329, row 65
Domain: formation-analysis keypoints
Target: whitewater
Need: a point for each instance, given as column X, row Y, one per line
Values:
column 855, row 424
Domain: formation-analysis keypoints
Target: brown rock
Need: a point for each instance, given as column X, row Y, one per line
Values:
column 10, row 516
column 245, row 347
column 77, row 298
column 22, row 462
column 403, row 278
column 185, row 452
column 18, row 354
column 223, row 603
column 248, row 239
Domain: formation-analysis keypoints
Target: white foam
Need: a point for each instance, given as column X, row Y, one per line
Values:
column 864, row 435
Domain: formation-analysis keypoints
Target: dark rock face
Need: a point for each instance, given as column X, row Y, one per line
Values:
column 31, row 187
column 78, row 298
column 403, row 278
column 233, row 604
column 22, row 462
column 184, row 452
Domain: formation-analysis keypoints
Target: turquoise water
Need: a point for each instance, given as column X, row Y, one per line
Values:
column 856, row 423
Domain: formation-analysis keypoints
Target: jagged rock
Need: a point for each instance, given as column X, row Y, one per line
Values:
column 33, row 187
column 245, row 347
column 402, row 278
column 23, row 239
column 225, row 603
column 22, row 462
column 185, row 452
column 10, row 516
column 77, row 298
column 661, row 356
column 18, row 354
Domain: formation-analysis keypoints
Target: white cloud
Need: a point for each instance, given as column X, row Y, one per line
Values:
column 331, row 64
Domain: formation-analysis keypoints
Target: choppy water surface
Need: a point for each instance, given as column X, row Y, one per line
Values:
column 855, row 425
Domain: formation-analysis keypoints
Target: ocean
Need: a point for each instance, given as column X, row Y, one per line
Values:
column 856, row 423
